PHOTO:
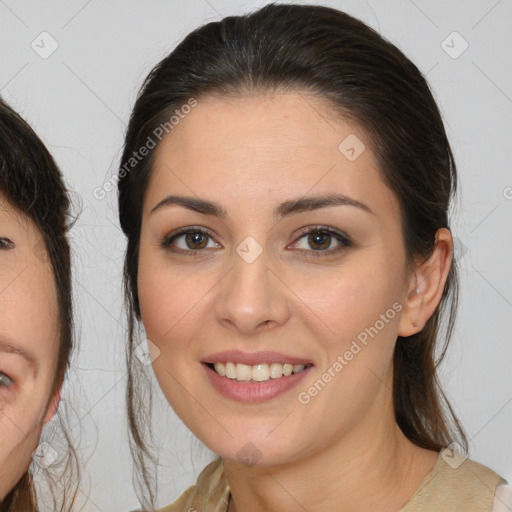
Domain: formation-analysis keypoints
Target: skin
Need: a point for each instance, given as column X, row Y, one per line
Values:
column 250, row 153
column 29, row 324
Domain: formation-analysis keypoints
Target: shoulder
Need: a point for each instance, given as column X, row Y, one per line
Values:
column 210, row 493
column 455, row 483
column 502, row 498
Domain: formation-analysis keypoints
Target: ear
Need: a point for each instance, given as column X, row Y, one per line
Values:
column 426, row 285
column 53, row 406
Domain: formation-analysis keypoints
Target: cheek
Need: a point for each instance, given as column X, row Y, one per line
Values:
column 21, row 423
column 355, row 320
column 171, row 305
column 31, row 318
column 30, row 312
column 19, row 440
column 19, row 420
column 175, row 308
column 342, row 304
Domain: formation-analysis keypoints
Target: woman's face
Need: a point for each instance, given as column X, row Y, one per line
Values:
column 243, row 285
column 28, row 343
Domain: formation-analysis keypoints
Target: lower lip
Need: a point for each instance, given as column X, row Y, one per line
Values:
column 250, row 391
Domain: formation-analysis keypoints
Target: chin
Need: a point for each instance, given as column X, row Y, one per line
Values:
column 255, row 450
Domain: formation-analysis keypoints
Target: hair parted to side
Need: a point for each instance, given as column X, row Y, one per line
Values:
column 32, row 184
column 367, row 80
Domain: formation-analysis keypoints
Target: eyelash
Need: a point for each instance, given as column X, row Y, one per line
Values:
column 324, row 230
column 5, row 243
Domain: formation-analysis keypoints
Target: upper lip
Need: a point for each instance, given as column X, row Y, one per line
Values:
column 253, row 358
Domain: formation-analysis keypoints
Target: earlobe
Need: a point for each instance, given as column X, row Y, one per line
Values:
column 53, row 406
column 426, row 285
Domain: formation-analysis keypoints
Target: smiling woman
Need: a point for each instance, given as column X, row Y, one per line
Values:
column 290, row 239
column 35, row 323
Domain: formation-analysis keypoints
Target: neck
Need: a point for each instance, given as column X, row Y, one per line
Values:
column 373, row 467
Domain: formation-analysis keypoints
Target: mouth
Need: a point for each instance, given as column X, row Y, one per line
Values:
column 261, row 372
column 256, row 377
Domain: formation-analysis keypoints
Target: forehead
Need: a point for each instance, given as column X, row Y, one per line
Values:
column 259, row 147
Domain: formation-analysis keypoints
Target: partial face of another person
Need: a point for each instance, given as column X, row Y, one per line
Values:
column 267, row 282
column 29, row 343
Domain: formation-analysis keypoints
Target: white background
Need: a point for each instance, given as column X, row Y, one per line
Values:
column 79, row 99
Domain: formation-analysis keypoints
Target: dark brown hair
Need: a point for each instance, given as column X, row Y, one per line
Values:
column 31, row 183
column 367, row 80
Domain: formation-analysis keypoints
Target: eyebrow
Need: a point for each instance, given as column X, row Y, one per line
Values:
column 290, row 207
column 6, row 346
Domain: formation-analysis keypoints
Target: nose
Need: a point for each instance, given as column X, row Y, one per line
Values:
column 252, row 297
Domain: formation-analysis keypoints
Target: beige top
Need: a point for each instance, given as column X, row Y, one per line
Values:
column 451, row 486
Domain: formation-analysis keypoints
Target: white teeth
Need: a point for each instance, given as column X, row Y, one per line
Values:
column 220, row 369
column 276, row 370
column 287, row 369
column 243, row 372
column 259, row 372
column 231, row 370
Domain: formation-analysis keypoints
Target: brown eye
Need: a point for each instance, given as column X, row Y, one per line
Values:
column 188, row 240
column 196, row 240
column 319, row 240
column 322, row 241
